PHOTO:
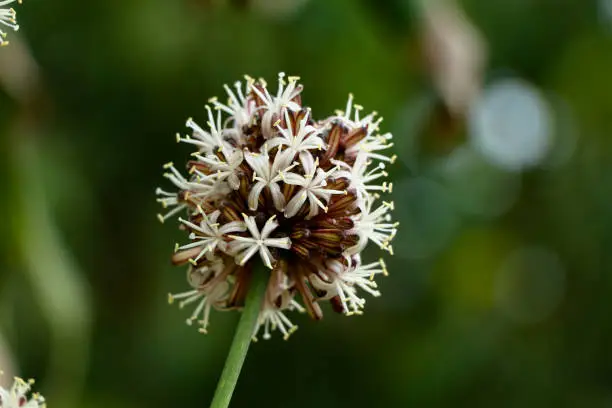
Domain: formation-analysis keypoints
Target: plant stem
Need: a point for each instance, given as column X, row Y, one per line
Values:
column 242, row 338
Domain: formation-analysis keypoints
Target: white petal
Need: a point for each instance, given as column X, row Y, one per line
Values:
column 277, row 196
column 294, row 179
column 254, row 195
column 266, row 256
column 252, row 226
column 270, row 226
column 284, row 243
column 307, row 162
column 234, row 226
column 295, row 204
column 248, row 254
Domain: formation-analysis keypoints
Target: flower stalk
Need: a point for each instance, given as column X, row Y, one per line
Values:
column 242, row 338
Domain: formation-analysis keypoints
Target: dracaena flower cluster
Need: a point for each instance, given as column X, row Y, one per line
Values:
column 269, row 183
column 20, row 395
column 7, row 18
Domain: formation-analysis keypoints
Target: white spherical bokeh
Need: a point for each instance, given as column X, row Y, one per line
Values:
column 604, row 12
column 511, row 125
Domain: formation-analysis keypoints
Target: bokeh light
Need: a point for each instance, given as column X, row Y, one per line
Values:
column 605, row 13
column 511, row 125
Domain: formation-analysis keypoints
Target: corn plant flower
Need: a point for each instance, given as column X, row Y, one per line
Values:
column 8, row 18
column 269, row 183
column 20, row 396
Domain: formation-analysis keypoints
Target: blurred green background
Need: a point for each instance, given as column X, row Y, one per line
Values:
column 499, row 292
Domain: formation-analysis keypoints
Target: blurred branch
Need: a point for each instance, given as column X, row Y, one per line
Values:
column 58, row 285
column 455, row 52
column 19, row 73
column 7, row 365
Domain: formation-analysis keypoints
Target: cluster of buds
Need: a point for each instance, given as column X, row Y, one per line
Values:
column 7, row 18
column 268, row 183
column 18, row 396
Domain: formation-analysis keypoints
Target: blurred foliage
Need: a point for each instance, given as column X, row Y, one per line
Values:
column 85, row 266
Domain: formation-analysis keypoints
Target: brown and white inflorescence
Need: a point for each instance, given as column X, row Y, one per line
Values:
column 20, row 395
column 269, row 183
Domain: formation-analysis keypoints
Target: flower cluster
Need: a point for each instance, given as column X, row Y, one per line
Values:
column 17, row 396
column 7, row 18
column 268, row 183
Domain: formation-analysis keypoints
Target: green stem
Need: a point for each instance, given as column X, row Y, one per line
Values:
column 242, row 338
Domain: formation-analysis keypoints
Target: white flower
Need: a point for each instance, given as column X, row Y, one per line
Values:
column 269, row 175
column 374, row 226
column 274, row 105
column 245, row 247
column 204, row 186
column 372, row 142
column 344, row 281
column 239, row 108
column 224, row 168
column 306, row 138
column 313, row 188
column 371, row 146
column 208, row 235
column 272, row 317
column 356, row 121
column 360, row 176
column 7, row 18
column 208, row 142
column 199, row 187
column 169, row 200
column 208, row 292
column 17, row 396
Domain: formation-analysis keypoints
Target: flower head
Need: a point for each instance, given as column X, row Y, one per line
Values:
column 8, row 17
column 20, row 396
column 270, row 184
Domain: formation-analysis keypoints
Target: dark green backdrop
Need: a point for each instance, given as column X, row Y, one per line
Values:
column 499, row 292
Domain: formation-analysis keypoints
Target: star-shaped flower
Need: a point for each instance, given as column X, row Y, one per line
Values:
column 268, row 175
column 245, row 247
column 313, row 188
